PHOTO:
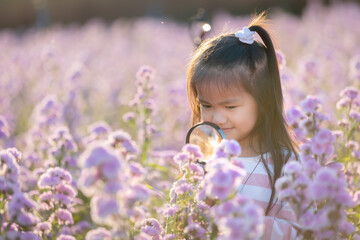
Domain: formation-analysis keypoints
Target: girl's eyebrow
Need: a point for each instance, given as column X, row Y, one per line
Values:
column 202, row 100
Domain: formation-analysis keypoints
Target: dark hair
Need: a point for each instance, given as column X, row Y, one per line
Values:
column 254, row 67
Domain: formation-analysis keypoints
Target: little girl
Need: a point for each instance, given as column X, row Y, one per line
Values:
column 234, row 82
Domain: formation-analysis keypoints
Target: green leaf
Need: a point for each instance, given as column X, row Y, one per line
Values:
column 157, row 167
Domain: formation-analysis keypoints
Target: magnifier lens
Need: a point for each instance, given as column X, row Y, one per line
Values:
column 206, row 135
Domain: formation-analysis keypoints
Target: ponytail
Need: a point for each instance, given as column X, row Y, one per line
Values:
column 275, row 115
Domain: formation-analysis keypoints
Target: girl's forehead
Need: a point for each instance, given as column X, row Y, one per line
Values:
column 220, row 82
column 213, row 91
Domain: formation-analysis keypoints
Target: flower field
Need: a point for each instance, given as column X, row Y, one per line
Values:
column 93, row 121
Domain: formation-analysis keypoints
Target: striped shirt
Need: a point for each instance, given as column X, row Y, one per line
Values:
column 257, row 187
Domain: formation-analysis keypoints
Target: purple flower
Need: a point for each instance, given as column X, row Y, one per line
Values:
column 136, row 170
column 129, row 116
column 149, row 104
column 318, row 148
column 171, row 210
column 310, row 165
column 310, row 66
column 64, row 217
column 65, row 237
column 356, row 154
column 232, row 148
column 280, row 57
column 220, row 178
column 347, row 228
column 25, row 219
column 137, row 192
column 4, row 128
column 145, row 73
column 99, row 233
column 111, row 168
column 192, row 150
column 169, row 237
column 237, row 162
column 350, row 92
column 18, row 202
column 294, row 114
column 87, row 180
column 182, row 157
column 324, row 136
column 122, row 139
column 143, row 236
column 53, row 177
column 81, row 227
column 227, row 148
column 152, row 227
column 103, row 207
column 196, row 169
column 338, row 134
column 224, row 209
column 355, row 67
column 182, row 187
column 343, row 103
column 11, row 166
column 195, row 230
column 98, row 154
column 112, row 187
column 310, row 104
column 284, row 187
column 99, row 128
column 64, row 193
column 243, row 219
column 43, row 227
column 292, row 167
column 352, row 145
column 17, row 155
column 130, row 147
column 354, row 115
column 29, row 236
column 48, row 112
column 150, row 129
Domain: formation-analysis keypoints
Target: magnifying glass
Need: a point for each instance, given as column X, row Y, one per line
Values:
column 207, row 136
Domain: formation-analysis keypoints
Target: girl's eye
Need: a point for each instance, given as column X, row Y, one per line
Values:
column 205, row 106
column 230, row 107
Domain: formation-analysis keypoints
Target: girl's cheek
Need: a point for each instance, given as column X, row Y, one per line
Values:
column 205, row 115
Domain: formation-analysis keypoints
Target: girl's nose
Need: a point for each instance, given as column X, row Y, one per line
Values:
column 218, row 118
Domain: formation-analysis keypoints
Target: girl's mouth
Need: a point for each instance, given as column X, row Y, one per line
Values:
column 226, row 129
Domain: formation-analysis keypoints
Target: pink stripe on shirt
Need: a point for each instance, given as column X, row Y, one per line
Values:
column 278, row 223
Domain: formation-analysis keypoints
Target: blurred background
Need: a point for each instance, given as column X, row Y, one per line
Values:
column 41, row 13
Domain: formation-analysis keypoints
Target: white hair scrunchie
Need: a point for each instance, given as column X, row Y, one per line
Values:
column 245, row 35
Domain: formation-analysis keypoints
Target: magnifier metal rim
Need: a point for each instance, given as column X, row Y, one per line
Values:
column 220, row 131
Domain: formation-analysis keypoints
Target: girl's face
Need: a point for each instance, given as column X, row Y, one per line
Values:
column 234, row 111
